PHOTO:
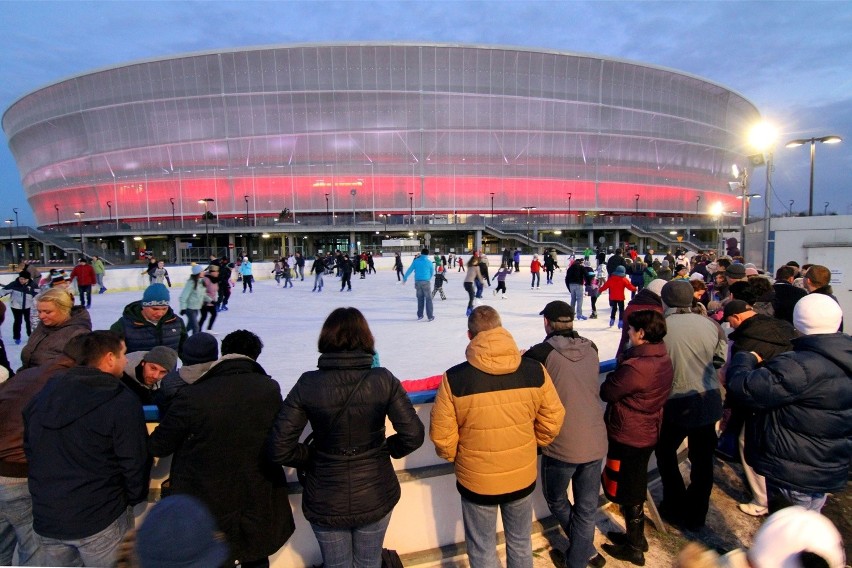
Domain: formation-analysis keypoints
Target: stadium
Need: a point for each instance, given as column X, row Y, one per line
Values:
column 311, row 147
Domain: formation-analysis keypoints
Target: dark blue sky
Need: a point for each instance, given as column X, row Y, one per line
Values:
column 791, row 59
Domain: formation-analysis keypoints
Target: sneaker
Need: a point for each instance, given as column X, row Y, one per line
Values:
column 18, row 341
column 102, row 290
column 419, row 318
column 594, row 316
column 753, row 509
column 611, row 322
column 432, row 318
column 467, row 313
column 620, row 324
column 582, row 318
column 596, row 561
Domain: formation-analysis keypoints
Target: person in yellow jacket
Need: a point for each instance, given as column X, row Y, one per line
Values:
column 490, row 415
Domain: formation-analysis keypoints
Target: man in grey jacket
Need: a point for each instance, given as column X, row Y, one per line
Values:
column 576, row 453
column 697, row 347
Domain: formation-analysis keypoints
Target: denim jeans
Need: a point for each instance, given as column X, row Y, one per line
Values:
column 577, row 291
column 192, row 322
column 16, row 524
column 779, row 498
column 424, row 296
column 480, row 532
column 359, row 547
column 578, row 521
column 100, row 549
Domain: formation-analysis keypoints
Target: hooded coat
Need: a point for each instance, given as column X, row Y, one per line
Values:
column 801, row 435
column 216, row 428
column 350, row 478
column 84, row 439
column 765, row 335
column 573, row 364
column 47, row 342
column 491, row 414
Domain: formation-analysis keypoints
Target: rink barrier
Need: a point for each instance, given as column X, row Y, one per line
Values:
column 426, row 525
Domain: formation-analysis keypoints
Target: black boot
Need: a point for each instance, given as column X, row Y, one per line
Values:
column 631, row 550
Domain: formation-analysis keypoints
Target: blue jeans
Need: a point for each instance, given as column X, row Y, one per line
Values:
column 16, row 524
column 577, row 291
column 578, row 521
column 480, row 533
column 192, row 322
column 100, row 549
column 424, row 296
column 779, row 498
column 359, row 547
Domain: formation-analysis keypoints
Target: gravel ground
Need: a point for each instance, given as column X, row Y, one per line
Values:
column 727, row 528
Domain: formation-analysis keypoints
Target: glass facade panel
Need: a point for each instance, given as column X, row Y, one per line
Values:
column 448, row 123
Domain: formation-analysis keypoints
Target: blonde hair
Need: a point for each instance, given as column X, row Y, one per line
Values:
column 60, row 297
column 483, row 318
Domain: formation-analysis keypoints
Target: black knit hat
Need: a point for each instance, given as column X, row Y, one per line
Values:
column 200, row 348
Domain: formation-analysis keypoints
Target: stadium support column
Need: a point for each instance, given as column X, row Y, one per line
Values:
column 591, row 238
column 477, row 239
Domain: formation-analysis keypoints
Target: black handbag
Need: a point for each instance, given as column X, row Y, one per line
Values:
column 302, row 473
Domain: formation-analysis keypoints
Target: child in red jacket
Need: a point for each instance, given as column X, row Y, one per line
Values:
column 616, row 284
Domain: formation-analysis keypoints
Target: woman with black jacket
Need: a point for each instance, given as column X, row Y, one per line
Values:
column 350, row 487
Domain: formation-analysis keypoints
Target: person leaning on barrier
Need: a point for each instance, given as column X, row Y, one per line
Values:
column 150, row 321
column 60, row 321
column 491, row 414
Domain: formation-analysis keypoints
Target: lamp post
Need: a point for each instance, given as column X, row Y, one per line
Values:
column 411, row 204
column 206, row 202
column 11, row 243
column 353, row 193
column 248, row 236
column 569, row 203
column 832, row 139
column 247, row 211
column 109, row 207
column 528, row 208
column 825, row 208
column 492, row 207
column 15, row 209
column 79, row 215
column 56, row 206
column 792, row 201
column 636, row 197
column 327, row 218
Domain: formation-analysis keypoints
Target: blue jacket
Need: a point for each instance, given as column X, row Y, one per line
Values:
column 85, row 442
column 422, row 267
column 801, row 434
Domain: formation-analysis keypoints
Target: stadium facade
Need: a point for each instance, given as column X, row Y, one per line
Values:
column 361, row 134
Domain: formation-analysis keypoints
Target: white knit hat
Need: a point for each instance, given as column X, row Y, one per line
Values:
column 656, row 285
column 817, row 313
column 791, row 531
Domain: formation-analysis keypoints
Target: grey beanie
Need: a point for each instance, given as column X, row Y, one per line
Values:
column 677, row 294
column 166, row 357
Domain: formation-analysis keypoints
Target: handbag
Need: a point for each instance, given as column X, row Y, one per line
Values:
column 302, row 473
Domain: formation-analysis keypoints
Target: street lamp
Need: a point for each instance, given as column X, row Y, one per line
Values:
column 79, row 215
column 569, row 203
column 247, row 211
column 825, row 208
column 528, row 208
column 411, row 202
column 248, row 236
column 492, row 207
column 636, row 196
column 833, row 139
column 15, row 209
column 792, row 201
column 327, row 218
column 11, row 242
column 56, row 206
column 109, row 206
column 353, row 193
column 206, row 202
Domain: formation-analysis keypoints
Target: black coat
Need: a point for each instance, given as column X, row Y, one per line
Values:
column 801, row 434
column 217, row 428
column 350, row 479
column 765, row 335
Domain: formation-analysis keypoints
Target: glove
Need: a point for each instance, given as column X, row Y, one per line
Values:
column 183, row 312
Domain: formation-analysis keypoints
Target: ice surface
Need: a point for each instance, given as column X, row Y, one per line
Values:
column 289, row 320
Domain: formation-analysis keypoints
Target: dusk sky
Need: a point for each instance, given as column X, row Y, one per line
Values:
column 793, row 60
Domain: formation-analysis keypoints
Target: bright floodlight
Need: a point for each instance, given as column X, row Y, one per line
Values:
column 762, row 136
column 717, row 209
column 735, row 171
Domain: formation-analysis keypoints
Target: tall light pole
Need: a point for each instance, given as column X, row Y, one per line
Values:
column 832, row 139
column 492, row 207
column 327, row 218
column 528, row 209
column 56, row 206
column 247, row 211
column 79, row 215
column 248, row 237
column 206, row 202
column 825, row 208
column 353, row 193
column 15, row 209
column 109, row 207
column 11, row 242
column 636, row 197
column 411, row 203
column 171, row 200
column 792, row 201
column 569, row 203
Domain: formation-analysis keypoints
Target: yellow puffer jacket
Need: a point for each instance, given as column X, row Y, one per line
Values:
column 491, row 413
